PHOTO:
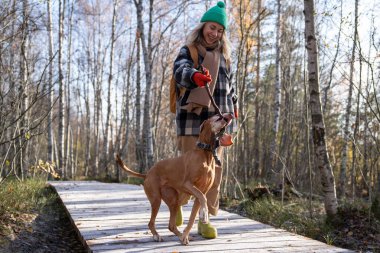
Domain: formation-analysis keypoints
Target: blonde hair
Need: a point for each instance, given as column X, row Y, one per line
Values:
column 196, row 37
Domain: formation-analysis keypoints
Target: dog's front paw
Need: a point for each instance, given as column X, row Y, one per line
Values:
column 184, row 239
column 203, row 215
column 158, row 238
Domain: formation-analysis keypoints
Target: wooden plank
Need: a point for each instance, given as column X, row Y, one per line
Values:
column 114, row 218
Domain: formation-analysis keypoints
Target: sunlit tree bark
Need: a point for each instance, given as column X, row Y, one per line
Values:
column 322, row 160
column 146, row 42
column 61, row 112
column 138, row 131
column 68, row 96
column 50, row 82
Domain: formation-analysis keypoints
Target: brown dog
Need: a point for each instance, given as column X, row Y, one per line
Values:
column 191, row 173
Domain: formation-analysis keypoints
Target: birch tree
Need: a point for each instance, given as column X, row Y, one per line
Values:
column 256, row 141
column 328, row 87
column 99, row 64
column 138, row 143
column 147, row 57
column 23, row 91
column 346, row 130
column 61, row 112
column 6, row 133
column 110, row 76
column 50, row 82
column 68, row 96
column 277, row 93
column 322, row 160
column 86, row 90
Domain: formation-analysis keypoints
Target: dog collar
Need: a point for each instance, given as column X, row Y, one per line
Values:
column 204, row 146
column 207, row 147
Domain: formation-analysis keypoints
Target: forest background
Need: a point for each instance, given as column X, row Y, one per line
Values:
column 82, row 80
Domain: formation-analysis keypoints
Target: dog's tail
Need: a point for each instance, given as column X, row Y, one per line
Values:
column 129, row 171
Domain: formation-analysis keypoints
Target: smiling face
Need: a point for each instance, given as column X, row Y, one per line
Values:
column 212, row 32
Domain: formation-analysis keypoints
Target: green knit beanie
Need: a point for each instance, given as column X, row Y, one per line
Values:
column 216, row 14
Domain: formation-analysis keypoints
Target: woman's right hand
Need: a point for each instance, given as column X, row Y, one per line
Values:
column 201, row 79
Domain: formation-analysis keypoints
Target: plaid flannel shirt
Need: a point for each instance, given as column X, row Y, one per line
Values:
column 188, row 123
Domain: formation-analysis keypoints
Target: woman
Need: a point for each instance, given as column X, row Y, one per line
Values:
column 193, row 105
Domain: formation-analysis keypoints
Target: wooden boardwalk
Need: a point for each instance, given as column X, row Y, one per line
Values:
column 114, row 218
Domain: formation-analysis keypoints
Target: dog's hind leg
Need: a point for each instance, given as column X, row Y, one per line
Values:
column 154, row 196
column 170, row 196
column 152, row 223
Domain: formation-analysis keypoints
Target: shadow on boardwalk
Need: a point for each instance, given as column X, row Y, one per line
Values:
column 114, row 218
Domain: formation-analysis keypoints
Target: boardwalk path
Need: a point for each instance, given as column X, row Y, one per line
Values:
column 114, row 218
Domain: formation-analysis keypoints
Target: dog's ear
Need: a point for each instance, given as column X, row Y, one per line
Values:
column 205, row 129
column 201, row 126
column 204, row 125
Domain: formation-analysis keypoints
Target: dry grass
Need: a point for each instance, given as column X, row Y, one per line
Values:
column 19, row 204
column 354, row 227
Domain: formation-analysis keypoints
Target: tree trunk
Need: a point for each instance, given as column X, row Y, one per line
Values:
column 147, row 53
column 328, row 86
column 68, row 164
column 346, row 137
column 139, row 149
column 78, row 134
column 367, row 179
column 24, row 93
column 358, row 114
column 107, row 123
column 61, row 112
column 126, row 102
column 98, row 81
column 86, row 98
column 241, row 89
column 256, row 134
column 307, row 150
column 322, row 160
column 11, row 150
column 273, row 153
column 50, row 81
